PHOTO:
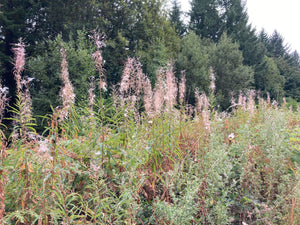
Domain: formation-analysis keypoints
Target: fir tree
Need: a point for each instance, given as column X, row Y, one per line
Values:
column 231, row 74
column 194, row 60
column 176, row 20
column 204, row 19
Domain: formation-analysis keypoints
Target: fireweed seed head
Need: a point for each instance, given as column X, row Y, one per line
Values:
column 19, row 61
column 67, row 91
column 182, row 87
column 212, row 81
column 171, row 87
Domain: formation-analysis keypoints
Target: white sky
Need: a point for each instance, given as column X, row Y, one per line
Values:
column 282, row 15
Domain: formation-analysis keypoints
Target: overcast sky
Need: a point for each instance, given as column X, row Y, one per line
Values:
column 282, row 15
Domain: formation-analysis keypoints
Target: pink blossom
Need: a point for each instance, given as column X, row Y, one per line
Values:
column 182, row 87
column 67, row 92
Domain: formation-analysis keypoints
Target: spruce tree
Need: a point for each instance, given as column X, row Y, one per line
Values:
column 204, row 19
column 276, row 46
column 268, row 79
column 153, row 38
column 235, row 23
column 16, row 21
column 231, row 74
column 175, row 18
column 194, row 60
column 286, row 62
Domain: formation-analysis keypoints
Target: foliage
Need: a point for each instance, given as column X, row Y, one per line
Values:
column 109, row 163
column 102, row 169
column 269, row 80
column 145, row 29
column 12, row 27
column 193, row 58
column 176, row 18
column 46, row 69
column 231, row 74
column 156, row 39
column 205, row 20
column 136, row 155
column 236, row 25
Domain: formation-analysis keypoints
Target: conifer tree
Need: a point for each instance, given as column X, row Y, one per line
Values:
column 194, row 60
column 276, row 46
column 235, row 23
column 204, row 19
column 286, row 62
column 268, row 79
column 175, row 18
column 153, row 38
column 16, row 21
column 231, row 74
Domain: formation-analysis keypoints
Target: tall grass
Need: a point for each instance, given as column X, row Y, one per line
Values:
column 145, row 159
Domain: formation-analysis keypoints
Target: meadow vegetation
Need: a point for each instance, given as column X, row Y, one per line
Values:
column 141, row 155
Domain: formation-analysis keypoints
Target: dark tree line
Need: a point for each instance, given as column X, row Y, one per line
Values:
column 266, row 60
column 217, row 35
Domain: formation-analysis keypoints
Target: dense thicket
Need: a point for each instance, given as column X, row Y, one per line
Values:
column 218, row 34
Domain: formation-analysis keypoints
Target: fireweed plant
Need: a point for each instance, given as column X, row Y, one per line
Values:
column 144, row 157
